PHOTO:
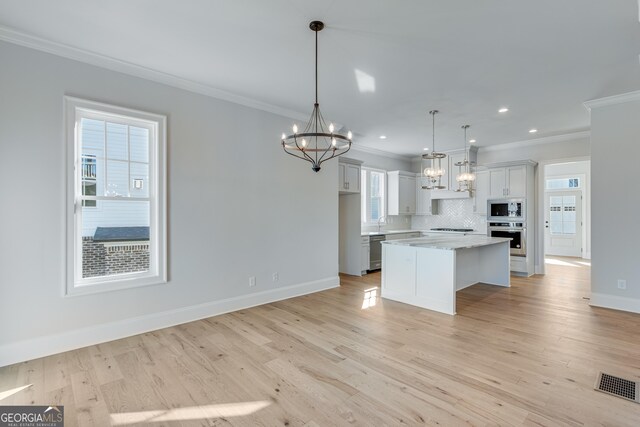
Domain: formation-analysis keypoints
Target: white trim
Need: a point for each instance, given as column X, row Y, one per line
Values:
column 33, row 42
column 51, row 344
column 157, row 125
column 615, row 302
column 538, row 141
column 613, row 100
column 375, row 151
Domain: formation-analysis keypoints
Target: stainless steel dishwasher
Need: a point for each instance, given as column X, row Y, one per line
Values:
column 375, row 252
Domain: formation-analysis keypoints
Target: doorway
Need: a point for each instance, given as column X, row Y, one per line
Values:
column 563, row 223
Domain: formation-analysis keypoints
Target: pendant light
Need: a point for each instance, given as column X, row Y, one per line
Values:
column 317, row 142
column 435, row 171
column 465, row 177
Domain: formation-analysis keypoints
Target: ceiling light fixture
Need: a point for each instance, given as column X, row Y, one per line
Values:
column 533, row 130
column 435, row 171
column 317, row 142
column 503, row 110
column 465, row 177
column 383, row 136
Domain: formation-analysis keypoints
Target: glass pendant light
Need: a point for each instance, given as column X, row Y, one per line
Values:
column 465, row 177
column 434, row 171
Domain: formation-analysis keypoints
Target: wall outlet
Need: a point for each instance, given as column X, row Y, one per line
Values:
column 252, row 280
column 622, row 284
column 276, row 277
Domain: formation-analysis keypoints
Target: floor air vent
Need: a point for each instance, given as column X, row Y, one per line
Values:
column 617, row 386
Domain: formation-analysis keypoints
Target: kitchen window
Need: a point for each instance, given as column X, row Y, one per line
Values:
column 116, row 197
column 373, row 195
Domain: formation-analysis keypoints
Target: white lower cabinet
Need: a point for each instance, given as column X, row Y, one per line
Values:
column 365, row 255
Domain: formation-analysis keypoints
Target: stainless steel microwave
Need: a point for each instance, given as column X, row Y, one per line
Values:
column 506, row 209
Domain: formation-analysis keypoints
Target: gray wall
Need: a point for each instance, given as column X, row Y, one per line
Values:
column 238, row 206
column 578, row 147
column 615, row 131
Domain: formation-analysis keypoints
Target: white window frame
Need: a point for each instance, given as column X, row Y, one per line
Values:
column 365, row 196
column 75, row 109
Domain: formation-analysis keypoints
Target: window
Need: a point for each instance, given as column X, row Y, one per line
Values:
column 373, row 195
column 116, row 196
column 562, row 183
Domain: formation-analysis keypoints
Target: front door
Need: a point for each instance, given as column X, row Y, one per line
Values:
column 563, row 223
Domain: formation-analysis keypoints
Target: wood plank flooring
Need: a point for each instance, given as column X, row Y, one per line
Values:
column 526, row 355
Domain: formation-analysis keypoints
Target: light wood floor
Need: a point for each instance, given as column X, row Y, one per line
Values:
column 527, row 355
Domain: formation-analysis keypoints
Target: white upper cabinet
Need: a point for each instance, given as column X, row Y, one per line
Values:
column 401, row 189
column 508, row 182
column 348, row 177
column 517, row 181
column 425, row 205
column 481, row 192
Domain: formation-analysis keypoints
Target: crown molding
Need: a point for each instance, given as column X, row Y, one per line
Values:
column 538, row 141
column 375, row 151
column 613, row 100
column 33, row 42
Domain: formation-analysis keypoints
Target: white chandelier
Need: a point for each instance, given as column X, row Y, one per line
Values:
column 435, row 171
column 465, row 176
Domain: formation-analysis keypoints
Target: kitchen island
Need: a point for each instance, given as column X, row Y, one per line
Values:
column 427, row 272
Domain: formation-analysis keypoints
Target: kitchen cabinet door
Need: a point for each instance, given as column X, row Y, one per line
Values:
column 342, row 173
column 407, row 195
column 481, row 192
column 364, row 257
column 516, row 181
column 348, row 178
column 401, row 192
column 497, row 183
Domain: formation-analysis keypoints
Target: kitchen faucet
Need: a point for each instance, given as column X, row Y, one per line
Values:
column 381, row 220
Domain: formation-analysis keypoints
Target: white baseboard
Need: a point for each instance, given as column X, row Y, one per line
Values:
column 615, row 302
column 51, row 344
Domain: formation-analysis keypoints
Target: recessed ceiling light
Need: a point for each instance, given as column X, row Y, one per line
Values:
column 533, row 130
column 503, row 110
column 383, row 137
column 471, row 141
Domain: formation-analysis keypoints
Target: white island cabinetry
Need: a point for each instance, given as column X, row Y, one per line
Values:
column 427, row 272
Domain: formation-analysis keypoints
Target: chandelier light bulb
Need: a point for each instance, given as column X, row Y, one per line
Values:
column 295, row 128
column 304, row 143
column 284, row 136
column 349, row 135
column 334, row 142
column 331, row 127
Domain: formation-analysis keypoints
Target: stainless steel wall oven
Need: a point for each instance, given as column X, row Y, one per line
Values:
column 516, row 231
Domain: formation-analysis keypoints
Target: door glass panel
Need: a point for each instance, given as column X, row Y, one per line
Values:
column 569, row 228
column 562, row 215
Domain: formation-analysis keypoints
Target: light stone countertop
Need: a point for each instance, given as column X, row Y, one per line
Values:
column 385, row 232
column 449, row 242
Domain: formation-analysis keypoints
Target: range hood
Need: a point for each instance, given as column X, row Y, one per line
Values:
column 449, row 194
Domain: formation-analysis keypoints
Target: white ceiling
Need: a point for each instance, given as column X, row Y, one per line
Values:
column 467, row 58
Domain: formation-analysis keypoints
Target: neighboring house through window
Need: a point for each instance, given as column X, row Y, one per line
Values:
column 116, row 227
column 373, row 195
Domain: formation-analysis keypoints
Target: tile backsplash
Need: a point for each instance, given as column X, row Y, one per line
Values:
column 456, row 213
